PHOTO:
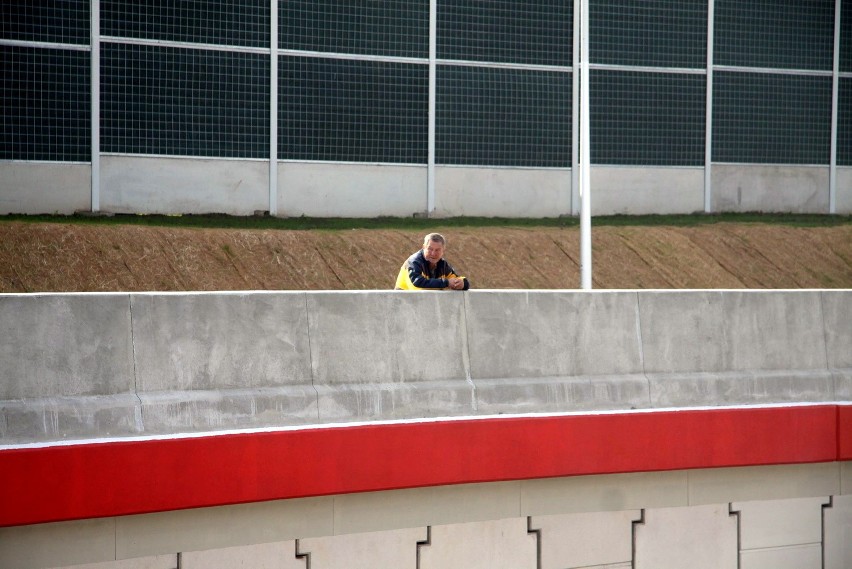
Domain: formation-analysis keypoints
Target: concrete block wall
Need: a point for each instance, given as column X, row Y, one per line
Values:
column 78, row 366
column 152, row 184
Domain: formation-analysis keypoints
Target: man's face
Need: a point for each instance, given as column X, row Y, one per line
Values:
column 433, row 251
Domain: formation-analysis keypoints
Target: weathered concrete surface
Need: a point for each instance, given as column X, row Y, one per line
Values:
column 94, row 365
column 222, row 360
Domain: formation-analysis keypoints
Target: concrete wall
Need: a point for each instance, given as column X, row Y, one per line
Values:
column 94, row 365
column 795, row 516
column 133, row 184
column 646, row 190
column 350, row 190
column 502, row 192
column 50, row 188
column 80, row 366
column 794, row 189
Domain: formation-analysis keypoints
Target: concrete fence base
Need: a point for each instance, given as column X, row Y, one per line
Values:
column 109, row 365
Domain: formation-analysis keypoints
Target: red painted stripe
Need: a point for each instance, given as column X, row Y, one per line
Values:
column 117, row 478
column 844, row 432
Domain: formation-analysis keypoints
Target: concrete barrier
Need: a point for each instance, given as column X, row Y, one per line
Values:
column 77, row 366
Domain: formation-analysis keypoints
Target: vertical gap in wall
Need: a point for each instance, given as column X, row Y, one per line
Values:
column 634, row 524
column 424, row 543
column 736, row 514
column 825, row 345
column 830, row 504
column 641, row 347
column 305, row 556
column 311, row 354
column 466, row 354
column 137, row 414
column 537, row 534
column 179, row 560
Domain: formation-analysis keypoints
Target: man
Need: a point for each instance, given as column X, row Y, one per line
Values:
column 427, row 269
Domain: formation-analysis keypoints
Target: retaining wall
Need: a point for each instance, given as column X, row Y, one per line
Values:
column 549, row 429
column 107, row 365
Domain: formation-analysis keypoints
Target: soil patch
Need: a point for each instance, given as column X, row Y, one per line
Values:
column 43, row 257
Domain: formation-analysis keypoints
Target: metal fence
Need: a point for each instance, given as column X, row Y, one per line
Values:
column 461, row 82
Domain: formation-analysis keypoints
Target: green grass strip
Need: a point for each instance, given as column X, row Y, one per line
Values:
column 222, row 221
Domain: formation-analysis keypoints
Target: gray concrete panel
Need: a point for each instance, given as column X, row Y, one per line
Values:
column 682, row 331
column 415, row 507
column 607, row 493
column 164, row 412
column 837, row 314
column 221, row 527
column 41, row 546
column 387, row 337
column 533, row 334
column 774, row 330
column 45, row 187
column 770, row 188
column 741, row 388
column 837, row 537
column 717, row 485
column 154, row 184
column 223, row 340
column 699, row 537
column 364, row 401
column 555, row 394
column 58, row 418
column 64, row 345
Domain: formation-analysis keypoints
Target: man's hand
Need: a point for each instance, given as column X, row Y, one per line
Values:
column 456, row 283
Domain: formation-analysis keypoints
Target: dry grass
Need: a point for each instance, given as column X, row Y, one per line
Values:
column 40, row 257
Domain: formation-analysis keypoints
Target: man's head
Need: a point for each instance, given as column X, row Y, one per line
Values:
column 433, row 247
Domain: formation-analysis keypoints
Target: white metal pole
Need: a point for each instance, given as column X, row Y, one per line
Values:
column 273, row 109
column 95, row 94
column 575, row 115
column 585, row 189
column 832, row 169
column 430, row 142
column 708, row 117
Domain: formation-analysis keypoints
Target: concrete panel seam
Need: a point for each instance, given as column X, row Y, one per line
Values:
column 306, row 556
column 736, row 513
column 537, row 534
column 825, row 343
column 311, row 357
column 137, row 413
column 825, row 506
column 466, row 353
column 642, row 348
column 633, row 527
column 424, row 543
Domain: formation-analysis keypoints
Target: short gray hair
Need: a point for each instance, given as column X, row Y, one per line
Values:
column 437, row 237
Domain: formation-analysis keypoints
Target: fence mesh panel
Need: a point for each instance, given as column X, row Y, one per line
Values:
column 768, row 118
column 506, row 31
column 647, row 118
column 242, row 23
column 494, row 116
column 780, row 34
column 389, row 28
column 184, row 102
column 54, row 21
column 45, row 104
column 658, row 33
column 350, row 110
